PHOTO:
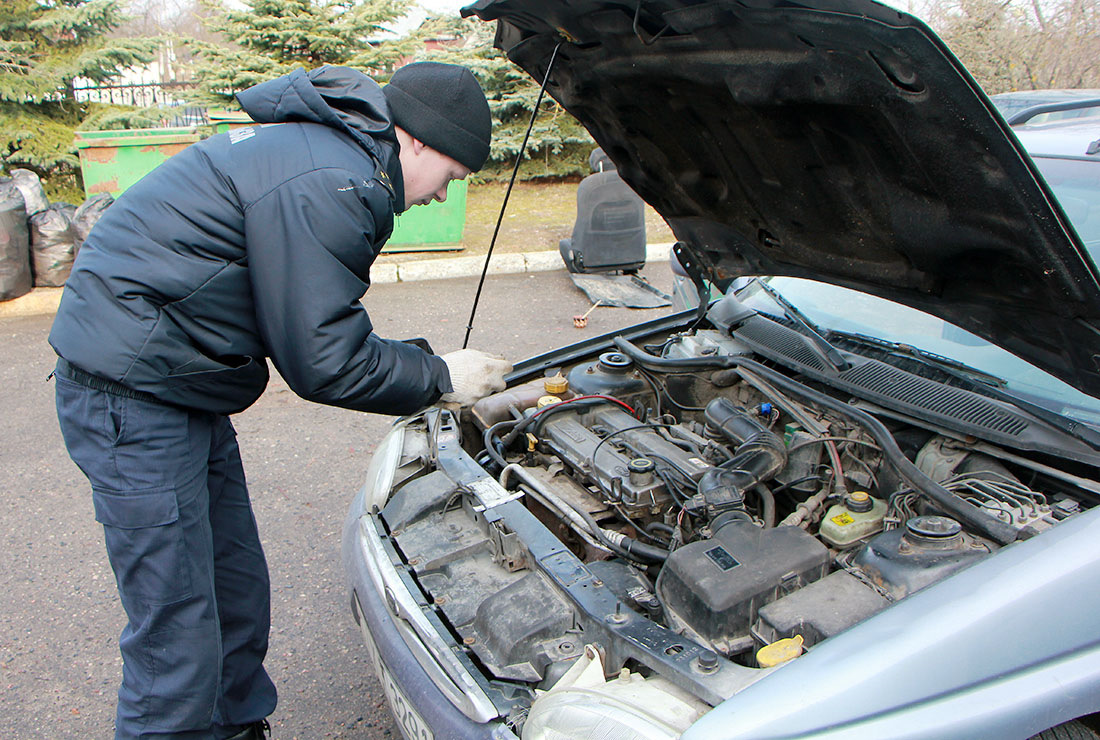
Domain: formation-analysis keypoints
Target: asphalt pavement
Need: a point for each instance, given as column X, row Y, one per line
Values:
column 59, row 611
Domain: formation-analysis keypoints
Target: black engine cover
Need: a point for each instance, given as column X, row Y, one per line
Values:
column 717, row 586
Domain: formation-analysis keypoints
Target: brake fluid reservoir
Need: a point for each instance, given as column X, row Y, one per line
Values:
column 858, row 516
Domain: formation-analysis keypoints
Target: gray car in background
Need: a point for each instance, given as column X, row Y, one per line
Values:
column 857, row 498
column 1045, row 106
column 1067, row 153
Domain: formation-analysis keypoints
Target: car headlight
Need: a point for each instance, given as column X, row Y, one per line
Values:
column 576, row 714
column 380, row 472
column 629, row 707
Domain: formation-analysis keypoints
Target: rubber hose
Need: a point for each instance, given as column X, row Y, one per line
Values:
column 767, row 501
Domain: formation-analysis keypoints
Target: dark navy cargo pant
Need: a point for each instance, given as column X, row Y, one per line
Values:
column 169, row 490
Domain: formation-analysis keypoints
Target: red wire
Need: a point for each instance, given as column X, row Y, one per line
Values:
column 605, row 398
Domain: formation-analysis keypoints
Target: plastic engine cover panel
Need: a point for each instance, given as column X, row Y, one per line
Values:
column 717, row 586
column 819, row 611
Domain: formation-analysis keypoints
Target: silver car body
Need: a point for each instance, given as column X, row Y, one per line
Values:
column 731, row 119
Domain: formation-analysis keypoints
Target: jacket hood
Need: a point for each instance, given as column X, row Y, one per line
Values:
column 836, row 140
column 340, row 97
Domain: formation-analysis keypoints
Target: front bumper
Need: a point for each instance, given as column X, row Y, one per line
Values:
column 428, row 669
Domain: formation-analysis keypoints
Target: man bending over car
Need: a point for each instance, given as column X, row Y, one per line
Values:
column 250, row 245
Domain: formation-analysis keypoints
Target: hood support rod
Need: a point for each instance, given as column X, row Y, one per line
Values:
column 508, row 192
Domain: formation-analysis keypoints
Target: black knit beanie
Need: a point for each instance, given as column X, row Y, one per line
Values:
column 444, row 107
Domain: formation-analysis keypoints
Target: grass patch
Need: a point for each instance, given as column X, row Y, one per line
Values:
column 538, row 215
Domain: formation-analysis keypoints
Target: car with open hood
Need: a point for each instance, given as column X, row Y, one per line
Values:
column 855, row 498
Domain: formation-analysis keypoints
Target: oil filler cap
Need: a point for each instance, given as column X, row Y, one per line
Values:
column 545, row 401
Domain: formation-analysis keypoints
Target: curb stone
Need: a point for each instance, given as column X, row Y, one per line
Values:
column 44, row 301
column 39, row 302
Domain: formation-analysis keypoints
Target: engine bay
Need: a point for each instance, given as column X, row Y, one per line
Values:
column 695, row 513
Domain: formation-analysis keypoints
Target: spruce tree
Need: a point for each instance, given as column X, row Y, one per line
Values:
column 559, row 146
column 44, row 46
column 269, row 38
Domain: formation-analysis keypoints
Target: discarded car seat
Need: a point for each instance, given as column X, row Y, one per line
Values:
column 609, row 234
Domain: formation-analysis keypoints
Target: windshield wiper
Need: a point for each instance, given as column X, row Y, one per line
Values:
column 992, row 385
column 949, row 365
column 828, row 352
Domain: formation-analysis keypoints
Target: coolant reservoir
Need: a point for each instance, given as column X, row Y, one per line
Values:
column 497, row 407
column 857, row 517
column 555, row 386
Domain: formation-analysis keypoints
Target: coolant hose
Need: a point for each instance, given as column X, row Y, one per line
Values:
column 640, row 550
column 951, row 504
column 767, row 505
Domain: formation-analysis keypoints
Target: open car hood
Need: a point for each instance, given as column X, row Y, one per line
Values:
column 838, row 140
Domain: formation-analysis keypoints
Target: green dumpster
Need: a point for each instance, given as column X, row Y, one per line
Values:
column 111, row 161
column 435, row 223
column 227, row 120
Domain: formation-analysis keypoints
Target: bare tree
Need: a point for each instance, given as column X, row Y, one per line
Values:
column 1023, row 44
column 171, row 21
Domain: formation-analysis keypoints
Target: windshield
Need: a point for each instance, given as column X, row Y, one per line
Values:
column 1076, row 185
column 833, row 308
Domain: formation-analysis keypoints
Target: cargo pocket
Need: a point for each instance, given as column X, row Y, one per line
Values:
column 145, row 544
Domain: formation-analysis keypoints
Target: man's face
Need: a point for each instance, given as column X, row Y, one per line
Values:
column 426, row 172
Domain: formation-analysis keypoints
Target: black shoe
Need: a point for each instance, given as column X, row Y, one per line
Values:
column 255, row 731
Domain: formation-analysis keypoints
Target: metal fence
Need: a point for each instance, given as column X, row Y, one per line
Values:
column 146, row 95
column 143, row 94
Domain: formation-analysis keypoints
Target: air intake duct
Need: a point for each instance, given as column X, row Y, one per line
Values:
column 758, row 457
column 760, row 454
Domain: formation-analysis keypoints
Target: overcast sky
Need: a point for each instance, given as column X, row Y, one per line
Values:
column 444, row 6
column 414, row 19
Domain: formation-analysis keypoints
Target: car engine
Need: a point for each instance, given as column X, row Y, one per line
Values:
column 696, row 513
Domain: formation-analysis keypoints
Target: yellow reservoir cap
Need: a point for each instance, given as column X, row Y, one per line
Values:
column 779, row 651
column 545, row 401
column 859, row 496
column 556, row 385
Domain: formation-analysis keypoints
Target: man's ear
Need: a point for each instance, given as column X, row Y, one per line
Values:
column 418, row 145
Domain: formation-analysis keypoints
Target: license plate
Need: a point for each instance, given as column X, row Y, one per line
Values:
column 412, row 725
column 409, row 721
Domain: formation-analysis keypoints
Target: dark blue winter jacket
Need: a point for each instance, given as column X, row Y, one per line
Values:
column 252, row 244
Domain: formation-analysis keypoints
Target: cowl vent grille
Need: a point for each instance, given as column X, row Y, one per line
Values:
column 954, row 403
column 778, row 338
column 878, row 379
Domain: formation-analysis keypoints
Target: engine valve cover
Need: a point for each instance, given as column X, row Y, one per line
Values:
column 571, row 437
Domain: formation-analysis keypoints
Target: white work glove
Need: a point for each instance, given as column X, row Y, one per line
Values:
column 474, row 375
